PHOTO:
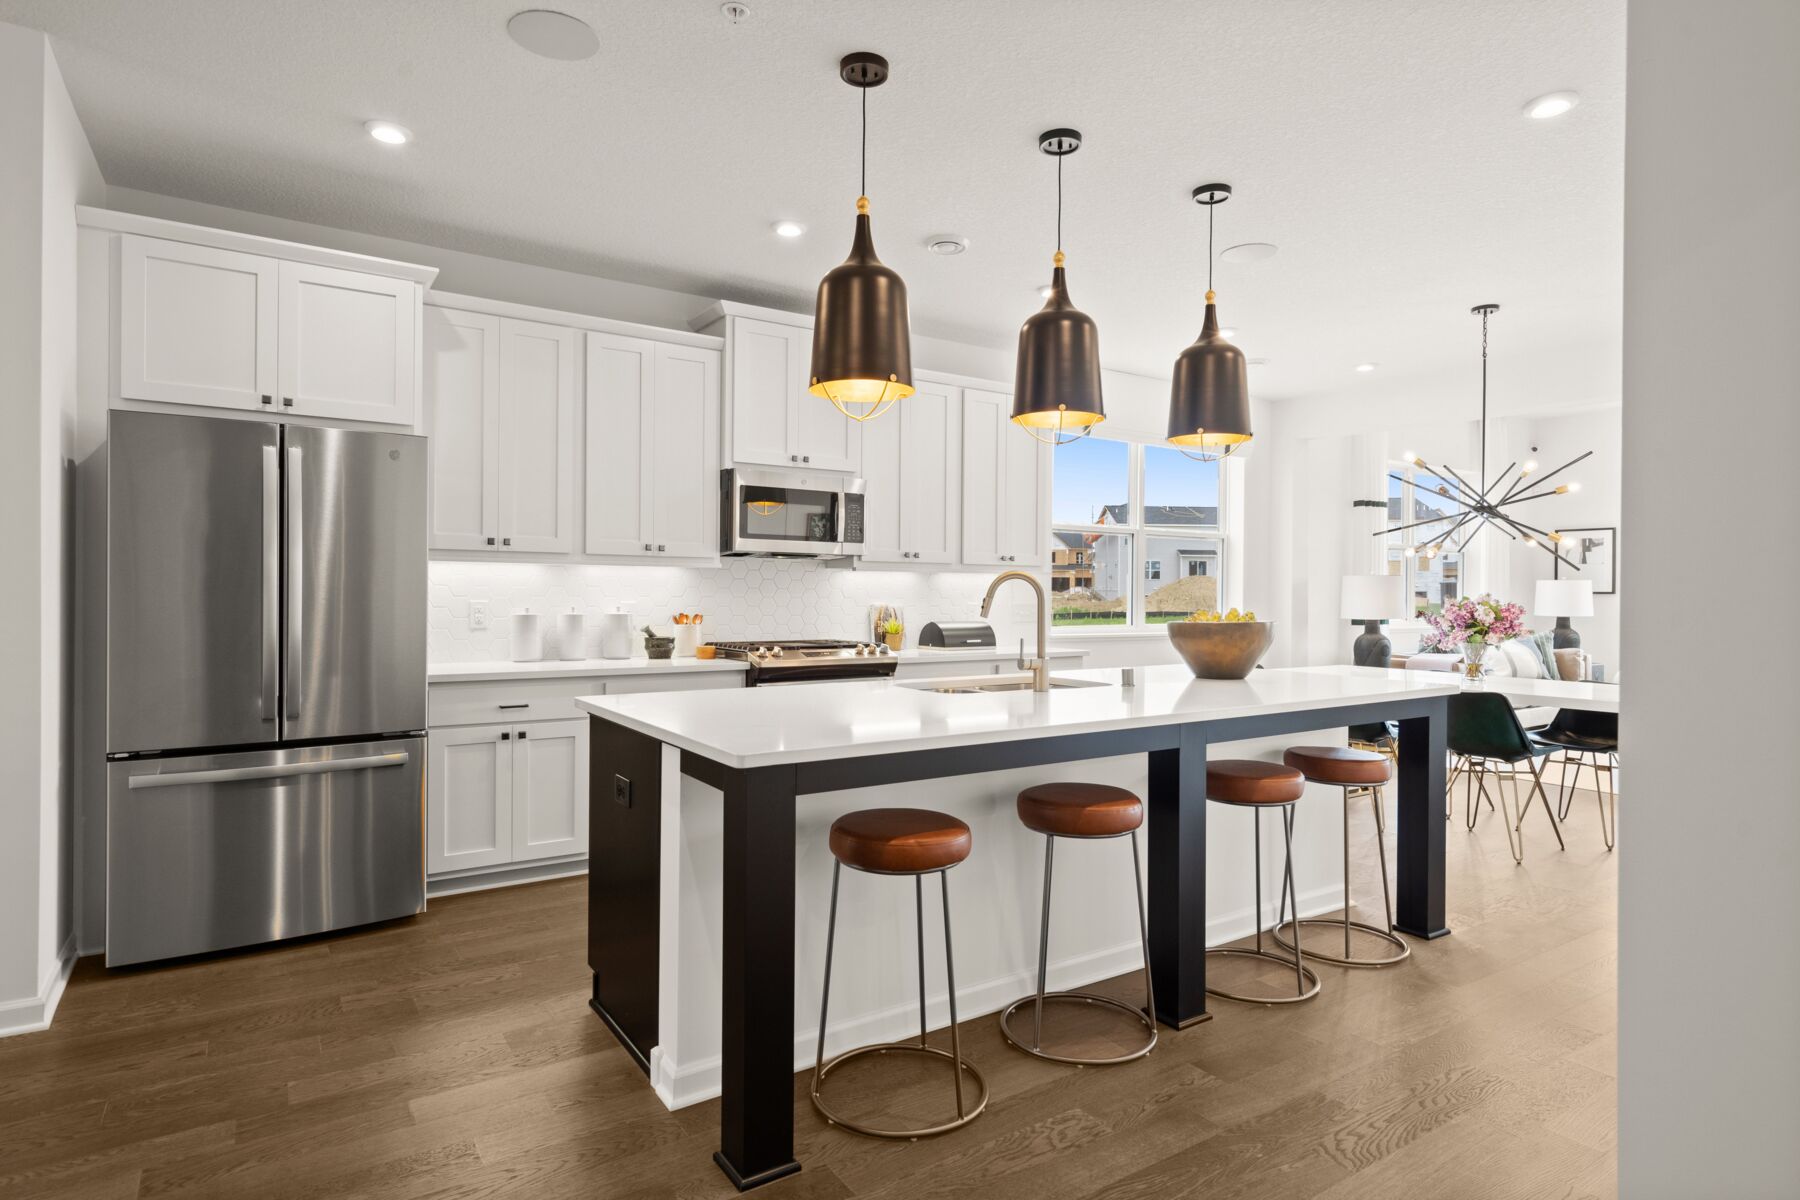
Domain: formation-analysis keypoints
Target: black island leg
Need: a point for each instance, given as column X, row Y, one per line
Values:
column 756, row 1111
column 1178, row 879
column 1420, row 837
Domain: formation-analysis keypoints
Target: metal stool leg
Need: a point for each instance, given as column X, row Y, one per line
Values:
column 1387, row 934
column 950, row 981
column 1303, row 974
column 825, row 990
column 1037, row 1016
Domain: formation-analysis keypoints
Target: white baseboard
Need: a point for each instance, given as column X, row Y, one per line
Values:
column 36, row 1012
column 678, row 1085
column 483, row 878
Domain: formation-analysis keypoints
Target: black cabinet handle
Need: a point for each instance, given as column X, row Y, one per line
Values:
column 506, row 737
column 268, row 399
column 506, row 541
column 515, row 706
column 521, row 735
column 490, row 541
column 287, row 402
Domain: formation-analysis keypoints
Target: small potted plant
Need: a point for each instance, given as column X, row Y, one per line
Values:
column 1471, row 625
column 892, row 631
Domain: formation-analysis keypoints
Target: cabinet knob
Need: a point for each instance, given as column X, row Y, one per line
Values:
column 661, row 549
column 506, row 541
column 506, row 737
column 490, row 541
column 268, row 399
column 646, row 545
column 806, row 458
column 521, row 735
column 287, row 402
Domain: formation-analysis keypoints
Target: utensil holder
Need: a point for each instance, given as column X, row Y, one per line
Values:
column 687, row 640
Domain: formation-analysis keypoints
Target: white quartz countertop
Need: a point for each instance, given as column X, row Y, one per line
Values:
column 1558, row 693
column 592, row 668
column 758, row 727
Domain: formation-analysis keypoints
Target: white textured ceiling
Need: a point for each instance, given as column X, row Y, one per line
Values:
column 1378, row 142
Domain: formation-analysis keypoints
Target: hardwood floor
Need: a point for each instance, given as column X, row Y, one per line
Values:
column 454, row 1056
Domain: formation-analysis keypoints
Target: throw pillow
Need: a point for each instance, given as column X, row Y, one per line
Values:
column 1545, row 645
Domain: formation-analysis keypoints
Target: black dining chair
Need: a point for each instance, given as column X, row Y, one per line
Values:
column 1484, row 730
column 1589, row 739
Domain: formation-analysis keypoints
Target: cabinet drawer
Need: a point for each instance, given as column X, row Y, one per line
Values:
column 509, row 700
column 689, row 681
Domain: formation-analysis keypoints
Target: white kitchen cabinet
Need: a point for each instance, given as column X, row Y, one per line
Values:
column 1005, row 486
column 911, row 479
column 229, row 329
column 775, row 421
column 537, row 437
column 346, row 344
column 550, row 789
column 469, row 793
column 652, row 448
column 196, row 324
column 462, row 378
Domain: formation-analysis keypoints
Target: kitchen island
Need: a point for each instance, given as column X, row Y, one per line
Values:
column 759, row 751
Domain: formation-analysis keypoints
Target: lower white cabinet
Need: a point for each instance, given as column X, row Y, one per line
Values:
column 506, row 794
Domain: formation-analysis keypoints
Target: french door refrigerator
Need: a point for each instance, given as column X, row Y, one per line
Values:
column 265, row 673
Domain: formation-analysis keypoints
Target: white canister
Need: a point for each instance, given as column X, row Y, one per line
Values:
column 527, row 636
column 571, row 633
column 615, row 634
column 687, row 640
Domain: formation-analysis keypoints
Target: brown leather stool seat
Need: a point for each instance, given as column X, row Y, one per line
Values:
column 1249, row 781
column 1339, row 766
column 899, row 841
column 1080, row 810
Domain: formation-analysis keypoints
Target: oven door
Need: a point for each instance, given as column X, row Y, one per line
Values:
column 793, row 514
column 834, row 672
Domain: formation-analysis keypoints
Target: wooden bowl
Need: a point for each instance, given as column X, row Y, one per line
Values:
column 1221, row 649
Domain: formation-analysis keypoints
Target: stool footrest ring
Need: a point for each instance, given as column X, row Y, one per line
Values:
column 1038, row 1051
column 1311, row 976
column 1337, row 923
column 974, row 1110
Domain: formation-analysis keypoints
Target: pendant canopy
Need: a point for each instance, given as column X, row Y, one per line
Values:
column 1209, row 396
column 1056, row 387
column 862, row 343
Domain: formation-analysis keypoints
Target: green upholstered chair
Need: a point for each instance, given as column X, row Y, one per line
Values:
column 1484, row 730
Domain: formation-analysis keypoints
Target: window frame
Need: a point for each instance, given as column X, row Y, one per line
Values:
column 1468, row 561
column 1139, row 534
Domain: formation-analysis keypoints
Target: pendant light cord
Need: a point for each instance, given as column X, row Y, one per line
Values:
column 1059, row 159
column 1484, row 356
column 864, row 189
column 1210, row 210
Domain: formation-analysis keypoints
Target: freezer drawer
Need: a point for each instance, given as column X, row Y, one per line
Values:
column 215, row 851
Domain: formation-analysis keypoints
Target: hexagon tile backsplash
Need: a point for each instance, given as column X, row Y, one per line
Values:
column 743, row 598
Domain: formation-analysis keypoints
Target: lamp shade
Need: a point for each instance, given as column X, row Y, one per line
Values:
column 1209, row 395
column 1564, row 598
column 862, row 345
column 1374, row 598
column 1057, row 384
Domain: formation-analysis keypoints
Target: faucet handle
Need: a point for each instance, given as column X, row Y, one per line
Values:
column 1023, row 665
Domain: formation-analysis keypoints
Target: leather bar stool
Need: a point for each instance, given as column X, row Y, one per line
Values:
column 899, row 841
column 1359, row 773
column 1087, row 811
column 1256, row 785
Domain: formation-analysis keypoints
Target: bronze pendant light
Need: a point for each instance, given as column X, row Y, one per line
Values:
column 862, row 346
column 1209, row 400
column 1056, row 387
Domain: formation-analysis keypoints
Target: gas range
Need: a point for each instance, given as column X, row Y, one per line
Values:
column 809, row 660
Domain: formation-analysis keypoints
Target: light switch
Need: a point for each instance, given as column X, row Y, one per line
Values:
column 478, row 614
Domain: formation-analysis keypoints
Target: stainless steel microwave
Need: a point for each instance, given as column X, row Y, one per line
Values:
column 770, row 513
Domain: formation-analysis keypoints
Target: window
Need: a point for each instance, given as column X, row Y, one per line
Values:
column 1114, row 503
column 1435, row 570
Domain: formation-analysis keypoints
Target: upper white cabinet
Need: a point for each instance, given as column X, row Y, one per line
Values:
column 502, row 422
column 1005, row 486
column 652, row 448
column 773, row 419
column 911, row 476
column 225, row 328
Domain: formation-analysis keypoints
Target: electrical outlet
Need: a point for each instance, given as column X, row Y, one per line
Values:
column 621, row 791
column 478, row 614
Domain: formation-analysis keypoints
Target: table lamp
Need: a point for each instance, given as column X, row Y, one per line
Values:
column 1369, row 600
column 1562, row 599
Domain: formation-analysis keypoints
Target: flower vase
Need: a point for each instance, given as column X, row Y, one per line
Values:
column 1473, row 655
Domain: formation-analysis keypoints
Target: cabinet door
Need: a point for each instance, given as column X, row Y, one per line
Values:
column 984, row 462
column 537, row 437
column 768, row 363
column 885, row 494
column 469, row 793
column 196, row 325
column 820, row 436
column 462, row 414
column 929, row 422
column 550, row 790
column 347, row 344
column 620, row 393
column 683, row 454
column 1025, row 505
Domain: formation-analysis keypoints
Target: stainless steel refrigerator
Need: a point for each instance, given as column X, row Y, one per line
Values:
column 265, row 676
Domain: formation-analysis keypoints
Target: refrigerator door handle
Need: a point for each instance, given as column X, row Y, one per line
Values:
column 296, row 590
column 271, row 581
column 398, row 758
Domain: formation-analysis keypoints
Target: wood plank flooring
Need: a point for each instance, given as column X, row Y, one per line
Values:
column 454, row 1056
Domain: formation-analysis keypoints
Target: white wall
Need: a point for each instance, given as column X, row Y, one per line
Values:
column 1709, row 923
column 46, row 168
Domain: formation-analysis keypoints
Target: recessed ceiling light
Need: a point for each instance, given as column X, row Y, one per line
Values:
column 1248, row 252
column 553, row 34
column 388, row 133
column 946, row 243
column 1365, row 368
column 1554, row 104
column 734, row 12
column 789, row 229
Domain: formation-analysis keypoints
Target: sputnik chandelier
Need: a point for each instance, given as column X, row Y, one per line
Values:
column 1481, row 507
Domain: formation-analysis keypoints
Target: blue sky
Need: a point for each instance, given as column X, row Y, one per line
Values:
column 1094, row 472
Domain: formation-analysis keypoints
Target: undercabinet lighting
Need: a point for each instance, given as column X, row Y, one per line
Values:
column 388, row 133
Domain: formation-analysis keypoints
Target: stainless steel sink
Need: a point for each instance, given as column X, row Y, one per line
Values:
column 969, row 687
